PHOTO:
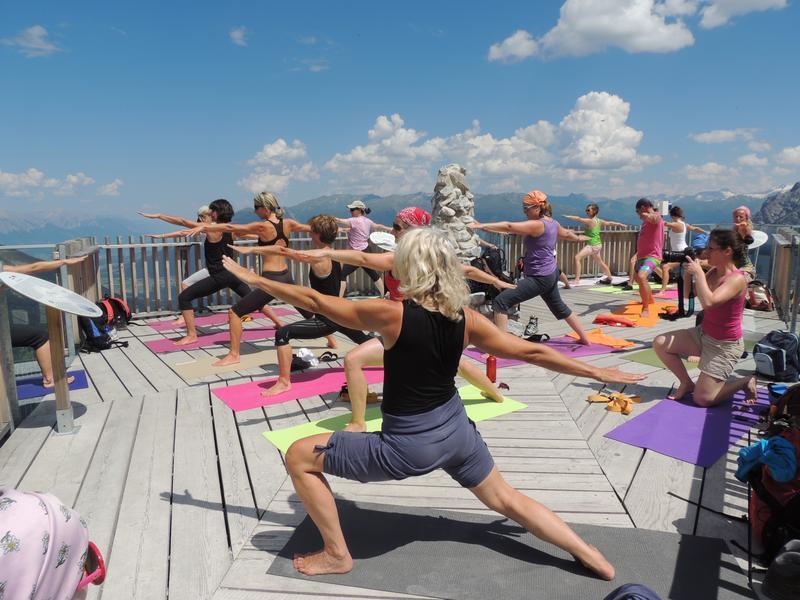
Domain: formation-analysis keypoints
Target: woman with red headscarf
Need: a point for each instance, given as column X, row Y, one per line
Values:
column 371, row 353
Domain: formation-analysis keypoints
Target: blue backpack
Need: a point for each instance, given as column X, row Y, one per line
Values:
column 777, row 356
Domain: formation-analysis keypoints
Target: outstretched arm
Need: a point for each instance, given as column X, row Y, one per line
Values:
column 476, row 274
column 530, row 227
column 379, row 262
column 483, row 334
column 583, row 220
column 605, row 223
column 695, row 228
column 379, row 227
column 43, row 265
column 568, row 234
column 259, row 249
column 174, row 234
column 170, row 219
column 369, row 315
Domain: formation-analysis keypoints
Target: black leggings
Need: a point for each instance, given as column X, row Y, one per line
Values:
column 258, row 298
column 213, row 283
column 348, row 269
column 26, row 335
column 313, row 328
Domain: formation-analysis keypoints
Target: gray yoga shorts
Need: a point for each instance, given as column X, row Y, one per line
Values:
column 410, row 445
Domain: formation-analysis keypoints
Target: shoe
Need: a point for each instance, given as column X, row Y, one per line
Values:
column 604, row 281
column 627, row 287
column 622, row 283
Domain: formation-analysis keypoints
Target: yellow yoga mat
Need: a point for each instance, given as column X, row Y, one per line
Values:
column 478, row 409
column 202, row 367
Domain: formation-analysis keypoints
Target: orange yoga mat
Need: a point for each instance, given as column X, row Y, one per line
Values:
column 596, row 336
column 633, row 311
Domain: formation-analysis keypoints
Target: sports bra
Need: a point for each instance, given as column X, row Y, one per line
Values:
column 279, row 235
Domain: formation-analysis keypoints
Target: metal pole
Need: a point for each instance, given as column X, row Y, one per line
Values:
column 64, row 416
column 8, row 384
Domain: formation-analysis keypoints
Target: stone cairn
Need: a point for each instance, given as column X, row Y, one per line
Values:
column 453, row 207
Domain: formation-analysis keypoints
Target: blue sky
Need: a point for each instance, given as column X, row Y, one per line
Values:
column 130, row 105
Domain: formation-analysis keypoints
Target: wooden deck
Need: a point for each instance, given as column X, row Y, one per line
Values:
column 186, row 499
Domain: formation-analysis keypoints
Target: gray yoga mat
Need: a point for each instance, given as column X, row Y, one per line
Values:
column 446, row 554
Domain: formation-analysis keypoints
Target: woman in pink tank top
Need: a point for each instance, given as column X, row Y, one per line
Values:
column 718, row 339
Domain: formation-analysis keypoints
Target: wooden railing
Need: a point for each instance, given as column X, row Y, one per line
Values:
column 784, row 277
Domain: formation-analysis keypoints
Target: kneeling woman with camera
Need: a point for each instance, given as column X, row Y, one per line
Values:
column 718, row 339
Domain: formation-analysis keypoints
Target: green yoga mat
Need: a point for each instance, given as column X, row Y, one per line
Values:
column 649, row 357
column 478, row 409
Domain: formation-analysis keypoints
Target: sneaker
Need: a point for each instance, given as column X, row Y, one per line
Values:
column 622, row 283
column 627, row 287
column 604, row 281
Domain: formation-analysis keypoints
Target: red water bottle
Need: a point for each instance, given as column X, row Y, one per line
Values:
column 491, row 368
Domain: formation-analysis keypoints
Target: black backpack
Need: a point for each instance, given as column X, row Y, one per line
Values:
column 783, row 523
column 777, row 356
column 95, row 334
column 115, row 311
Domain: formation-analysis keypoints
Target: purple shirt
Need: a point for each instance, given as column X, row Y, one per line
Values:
column 358, row 235
column 539, row 259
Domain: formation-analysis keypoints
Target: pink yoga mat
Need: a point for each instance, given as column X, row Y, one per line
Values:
column 215, row 319
column 213, row 339
column 699, row 436
column 667, row 295
column 311, row 383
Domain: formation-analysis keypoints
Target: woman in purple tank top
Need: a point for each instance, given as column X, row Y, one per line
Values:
column 718, row 339
column 540, row 269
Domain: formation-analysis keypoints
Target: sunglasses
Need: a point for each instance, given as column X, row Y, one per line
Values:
column 94, row 567
column 397, row 227
column 527, row 207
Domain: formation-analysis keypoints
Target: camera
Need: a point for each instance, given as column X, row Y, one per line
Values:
column 679, row 257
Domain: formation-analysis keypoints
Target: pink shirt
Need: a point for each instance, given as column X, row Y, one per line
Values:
column 358, row 235
column 724, row 322
column 651, row 239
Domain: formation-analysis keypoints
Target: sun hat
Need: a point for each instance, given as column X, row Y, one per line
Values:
column 357, row 204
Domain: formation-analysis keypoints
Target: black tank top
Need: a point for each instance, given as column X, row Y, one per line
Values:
column 329, row 286
column 214, row 251
column 279, row 235
column 420, row 369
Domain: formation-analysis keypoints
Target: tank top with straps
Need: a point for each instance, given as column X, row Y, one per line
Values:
column 420, row 369
column 724, row 322
column 214, row 251
column 329, row 285
column 677, row 239
column 593, row 233
column 279, row 235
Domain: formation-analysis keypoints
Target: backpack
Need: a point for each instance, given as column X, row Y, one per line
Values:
column 777, row 356
column 759, row 296
column 97, row 335
column 116, row 312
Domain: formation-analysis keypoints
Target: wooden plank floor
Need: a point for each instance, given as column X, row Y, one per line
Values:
column 186, row 499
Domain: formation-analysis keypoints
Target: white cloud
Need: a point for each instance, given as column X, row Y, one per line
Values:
column 710, row 173
column 789, row 156
column 33, row 182
column 238, row 35
column 757, row 146
column 720, row 12
column 593, row 140
column 110, row 189
column 518, row 46
column 277, row 165
column 752, row 160
column 589, row 26
column 720, row 136
column 33, row 42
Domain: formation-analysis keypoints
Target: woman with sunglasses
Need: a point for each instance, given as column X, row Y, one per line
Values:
column 594, row 245
column 425, row 426
column 358, row 229
column 371, row 353
column 718, row 339
column 540, row 271
column 45, row 550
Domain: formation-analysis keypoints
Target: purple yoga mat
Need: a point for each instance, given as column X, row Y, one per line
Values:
column 699, row 436
column 564, row 344
column 501, row 362
column 211, row 320
column 214, row 339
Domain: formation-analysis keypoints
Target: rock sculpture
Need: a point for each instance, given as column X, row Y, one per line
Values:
column 453, row 207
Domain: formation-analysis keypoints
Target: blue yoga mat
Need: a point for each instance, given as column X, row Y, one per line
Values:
column 31, row 387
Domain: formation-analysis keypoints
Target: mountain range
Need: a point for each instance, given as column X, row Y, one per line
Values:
column 777, row 206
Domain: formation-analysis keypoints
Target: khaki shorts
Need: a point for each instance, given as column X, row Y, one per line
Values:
column 718, row 358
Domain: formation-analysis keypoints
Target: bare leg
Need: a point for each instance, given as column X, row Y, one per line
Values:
column 180, row 321
column 670, row 347
column 46, row 366
column 665, row 269
column 191, row 329
column 235, row 326
column 576, row 279
column 475, row 376
column 573, row 321
column 645, row 292
column 710, row 391
column 369, row 353
column 331, row 341
column 602, row 265
column 342, row 287
column 267, row 311
column 501, row 320
column 562, row 277
column 284, row 382
column 379, row 284
column 305, row 468
column 498, row 495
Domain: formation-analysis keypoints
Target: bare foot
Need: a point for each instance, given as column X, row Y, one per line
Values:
column 496, row 396
column 567, row 286
column 584, row 341
column 597, row 563
column 357, row 427
column 682, row 390
column 47, row 384
column 693, row 359
column 228, row 359
column 322, row 562
column 277, row 388
column 751, row 392
column 178, row 323
column 187, row 339
column 575, row 282
column 277, row 323
column 331, row 342
column 645, row 313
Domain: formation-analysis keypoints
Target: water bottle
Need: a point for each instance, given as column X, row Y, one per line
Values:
column 491, row 368
column 532, row 326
